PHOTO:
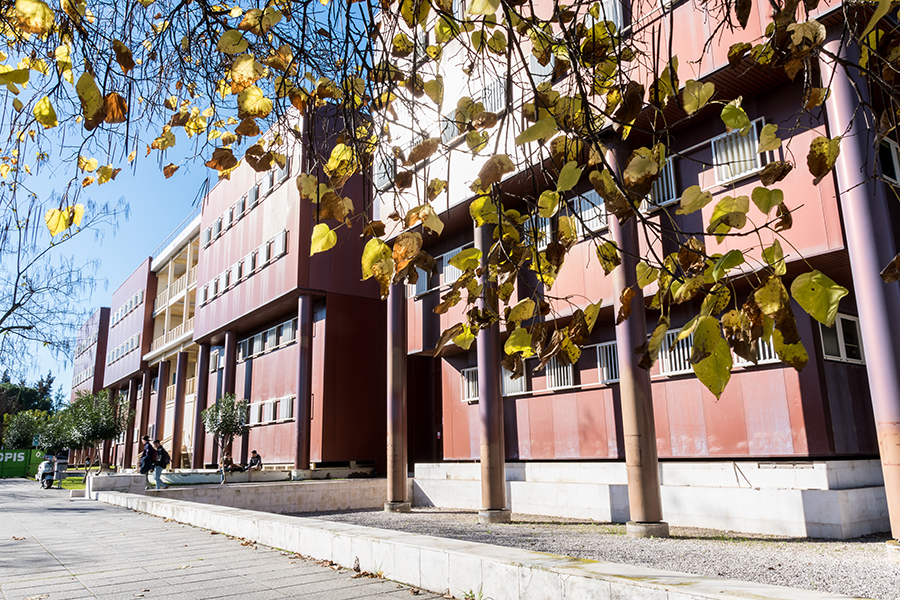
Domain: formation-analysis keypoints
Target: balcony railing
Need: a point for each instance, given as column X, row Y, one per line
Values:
column 192, row 276
column 158, row 343
column 191, row 386
column 161, row 300
column 179, row 285
column 170, row 394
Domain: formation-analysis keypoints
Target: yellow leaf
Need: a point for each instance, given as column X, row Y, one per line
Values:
column 522, row 311
column 87, row 181
column 435, row 90
column 323, row 238
column 696, row 95
column 767, row 138
column 540, row 130
column 132, row 155
column 376, row 252
column 568, row 177
column 34, row 16
column 519, row 341
column 91, row 100
column 17, row 104
column 232, row 42
column 87, row 164
column 548, row 204
column 253, row 103
column 44, row 113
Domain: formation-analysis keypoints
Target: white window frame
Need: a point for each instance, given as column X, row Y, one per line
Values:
column 541, row 224
column 541, row 73
column 213, row 361
column 559, row 376
column 676, row 361
column 253, row 196
column 253, row 417
column 286, row 408
column 592, row 211
column 279, row 245
column 724, row 171
column 513, row 387
column 894, row 149
column 842, row 346
column 608, row 362
column 665, row 189
column 469, row 385
column 765, row 355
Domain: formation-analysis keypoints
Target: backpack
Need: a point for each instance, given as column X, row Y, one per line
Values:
column 163, row 459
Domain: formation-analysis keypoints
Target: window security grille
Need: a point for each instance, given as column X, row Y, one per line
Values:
column 272, row 339
column 513, row 386
column 286, row 408
column 449, row 273
column 674, row 358
column 470, row 384
column 541, row 230
column 385, row 171
column 449, row 128
column 664, row 191
column 735, row 155
column 559, row 375
column 765, row 353
column 540, row 73
column 591, row 210
column 611, row 10
column 843, row 342
column 494, row 95
column 608, row 360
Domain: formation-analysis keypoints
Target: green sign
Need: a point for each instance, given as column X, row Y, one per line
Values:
column 20, row 463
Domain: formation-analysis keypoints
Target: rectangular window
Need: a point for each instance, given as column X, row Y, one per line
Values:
column 271, row 410
column 258, row 344
column 843, row 341
column 674, row 356
column 215, row 287
column 449, row 128
column 236, row 273
column 513, row 386
column 265, row 184
column 280, row 244
column 283, row 173
column 470, row 385
column 242, row 350
column 540, row 73
column 592, row 211
column 540, row 229
column 664, row 191
column 449, row 273
column 229, row 217
column 264, row 252
column 207, row 236
column 559, row 376
column 241, row 205
column 889, row 157
column 253, row 196
column 253, row 418
column 611, row 10
column 286, row 406
column 608, row 361
column 384, row 171
column 205, row 294
column 735, row 155
column 289, row 331
column 421, row 285
column 494, row 95
column 226, row 280
column 217, row 227
column 213, row 362
column 272, row 339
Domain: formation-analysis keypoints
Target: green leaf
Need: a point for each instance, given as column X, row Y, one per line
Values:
column 483, row 211
column 568, row 177
column 711, row 357
column 435, row 90
column 792, row 354
column 818, row 295
column 519, row 341
column 522, row 311
column 696, row 95
column 768, row 141
column 734, row 116
column 730, row 260
column 323, row 238
column 232, row 42
column 464, row 340
column 766, row 199
column 729, row 212
column 466, row 259
column 477, row 140
column 548, row 204
column 608, row 255
column 540, row 130
column 774, row 257
column 883, row 7
column 483, row 7
column 692, row 200
column 645, row 274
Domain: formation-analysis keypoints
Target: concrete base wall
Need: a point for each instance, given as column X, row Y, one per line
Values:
column 832, row 499
column 462, row 568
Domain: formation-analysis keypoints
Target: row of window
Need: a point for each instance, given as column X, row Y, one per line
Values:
column 123, row 349
column 82, row 346
column 126, row 308
column 256, row 259
column 271, row 411
column 266, row 341
column 842, row 342
column 247, row 202
column 83, row 376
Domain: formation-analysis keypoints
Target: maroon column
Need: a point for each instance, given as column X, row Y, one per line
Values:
column 303, row 400
column 162, row 379
column 638, row 427
column 871, row 245
column 181, row 365
column 490, row 396
column 199, row 436
column 397, row 459
column 144, row 413
column 106, row 445
column 230, row 363
column 129, row 431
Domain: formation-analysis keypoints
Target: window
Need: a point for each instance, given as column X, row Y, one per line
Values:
column 243, row 350
column 272, row 339
column 842, row 342
column 591, row 210
column 449, row 273
column 236, row 273
column 674, row 357
column 280, row 244
column 253, row 196
column 559, row 375
column 889, row 156
column 608, row 361
column 514, row 386
column 664, row 191
column 258, row 344
column 421, row 285
column 265, row 252
column 265, row 184
column 207, row 236
column 286, row 408
column 611, row 10
column 449, row 128
column 540, row 73
column 205, row 294
column 253, row 418
column 765, row 353
column 470, row 385
column 217, row 227
column 494, row 95
column 240, row 205
column 459, row 9
column 229, row 217
column 283, row 173
column 226, row 279
column 270, row 410
column 385, row 171
column 289, row 331
column 213, row 362
column 215, row 287
column 735, row 155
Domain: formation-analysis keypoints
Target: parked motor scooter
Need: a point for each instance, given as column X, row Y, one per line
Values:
column 45, row 474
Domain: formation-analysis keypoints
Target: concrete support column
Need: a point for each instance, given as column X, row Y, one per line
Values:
column 106, row 445
column 143, row 415
column 490, row 396
column 199, row 445
column 871, row 245
column 162, row 378
column 397, row 458
column 230, row 362
column 181, row 367
column 638, row 427
column 303, row 400
column 129, row 431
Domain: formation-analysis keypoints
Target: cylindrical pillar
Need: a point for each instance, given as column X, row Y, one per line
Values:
column 303, row 400
column 199, row 438
column 871, row 246
column 396, row 401
column 638, row 429
column 129, row 430
column 162, row 379
column 144, row 412
column 230, row 362
column 181, row 366
column 490, row 396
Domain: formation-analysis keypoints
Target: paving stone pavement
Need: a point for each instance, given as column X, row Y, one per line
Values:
column 56, row 548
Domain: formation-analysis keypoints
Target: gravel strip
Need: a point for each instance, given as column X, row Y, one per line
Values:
column 857, row 567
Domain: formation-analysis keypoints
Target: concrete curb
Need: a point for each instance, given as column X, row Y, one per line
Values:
column 438, row 564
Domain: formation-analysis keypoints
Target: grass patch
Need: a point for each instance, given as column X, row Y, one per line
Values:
column 72, row 483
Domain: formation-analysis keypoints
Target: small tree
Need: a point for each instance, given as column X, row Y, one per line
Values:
column 94, row 418
column 19, row 429
column 225, row 419
column 56, row 433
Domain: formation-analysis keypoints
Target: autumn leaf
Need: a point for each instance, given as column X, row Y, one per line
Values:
column 768, row 141
column 114, row 108
column 568, row 177
column 91, row 101
column 222, row 160
column 422, row 150
column 548, row 204
column 519, row 341
column 696, row 95
column 521, row 311
column 34, row 16
column 58, row 220
column 494, row 169
column 711, row 358
column 608, row 255
column 169, row 170
column 44, row 113
column 232, row 42
column 818, row 295
column 692, row 200
column 823, row 153
column 774, row 172
column 252, row 102
column 123, row 56
column 539, row 131
column 323, row 239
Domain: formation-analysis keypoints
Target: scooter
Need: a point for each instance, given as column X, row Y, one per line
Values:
column 45, row 474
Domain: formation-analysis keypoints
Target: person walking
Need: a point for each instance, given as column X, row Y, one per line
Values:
column 162, row 461
column 148, row 459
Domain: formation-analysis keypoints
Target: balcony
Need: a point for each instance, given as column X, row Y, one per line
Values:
column 161, row 300
column 179, row 330
column 158, row 343
column 179, row 285
column 191, row 386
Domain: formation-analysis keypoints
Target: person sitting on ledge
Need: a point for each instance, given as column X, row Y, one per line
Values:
column 255, row 463
column 226, row 465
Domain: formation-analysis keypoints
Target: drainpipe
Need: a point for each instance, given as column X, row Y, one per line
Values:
column 871, row 245
column 202, row 377
column 181, row 364
column 397, row 466
column 303, row 401
column 638, row 428
column 490, row 397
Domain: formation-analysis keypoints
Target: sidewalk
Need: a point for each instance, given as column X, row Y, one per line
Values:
column 55, row 548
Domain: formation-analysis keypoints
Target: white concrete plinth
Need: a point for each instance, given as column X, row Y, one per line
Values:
column 397, row 507
column 488, row 516
column 893, row 550
column 647, row 530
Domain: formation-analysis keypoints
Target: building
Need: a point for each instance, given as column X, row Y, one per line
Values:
column 89, row 361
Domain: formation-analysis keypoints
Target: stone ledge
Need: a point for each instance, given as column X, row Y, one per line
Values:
column 438, row 564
